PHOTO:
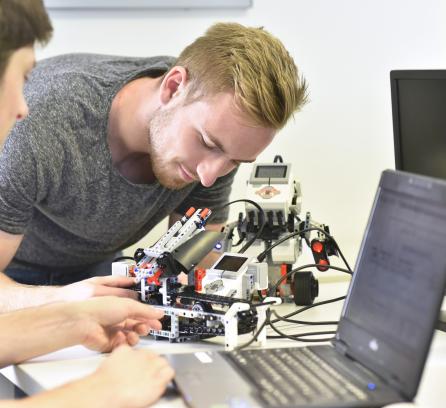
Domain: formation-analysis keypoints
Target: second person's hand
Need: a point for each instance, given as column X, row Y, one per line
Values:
column 107, row 322
column 98, row 286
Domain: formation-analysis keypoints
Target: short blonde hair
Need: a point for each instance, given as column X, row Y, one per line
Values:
column 253, row 64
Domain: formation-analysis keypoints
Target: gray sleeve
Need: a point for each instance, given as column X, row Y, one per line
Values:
column 18, row 184
column 30, row 161
column 211, row 197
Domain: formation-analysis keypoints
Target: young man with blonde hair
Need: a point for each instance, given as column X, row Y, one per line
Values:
column 113, row 145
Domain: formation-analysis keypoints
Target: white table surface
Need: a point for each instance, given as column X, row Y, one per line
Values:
column 51, row 370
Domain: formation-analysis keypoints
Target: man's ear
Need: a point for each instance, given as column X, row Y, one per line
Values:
column 173, row 83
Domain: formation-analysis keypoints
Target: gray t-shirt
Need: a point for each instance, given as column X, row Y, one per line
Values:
column 58, row 186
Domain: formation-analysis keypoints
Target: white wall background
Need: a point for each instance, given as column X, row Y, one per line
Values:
column 343, row 139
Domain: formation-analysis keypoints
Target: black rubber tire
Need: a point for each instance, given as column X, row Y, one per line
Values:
column 305, row 288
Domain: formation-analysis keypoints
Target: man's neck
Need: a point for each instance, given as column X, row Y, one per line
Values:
column 128, row 129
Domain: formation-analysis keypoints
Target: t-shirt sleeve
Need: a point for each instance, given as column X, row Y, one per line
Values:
column 27, row 163
column 33, row 159
column 18, row 182
column 212, row 197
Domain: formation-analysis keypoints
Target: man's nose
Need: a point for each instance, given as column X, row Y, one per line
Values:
column 209, row 169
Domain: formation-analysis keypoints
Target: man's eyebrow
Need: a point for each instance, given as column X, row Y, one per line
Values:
column 220, row 146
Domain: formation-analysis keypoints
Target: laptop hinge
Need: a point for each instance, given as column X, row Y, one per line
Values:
column 340, row 346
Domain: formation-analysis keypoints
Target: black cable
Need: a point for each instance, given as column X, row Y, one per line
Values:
column 303, row 309
column 342, row 255
column 303, row 340
column 263, row 254
column 257, row 334
column 268, row 312
column 273, row 302
column 261, row 216
column 259, row 294
column 261, row 257
column 271, row 323
column 298, row 337
column 241, row 239
column 307, row 340
column 336, row 246
column 273, row 289
column 309, row 323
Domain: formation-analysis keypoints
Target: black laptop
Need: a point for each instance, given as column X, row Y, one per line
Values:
column 385, row 331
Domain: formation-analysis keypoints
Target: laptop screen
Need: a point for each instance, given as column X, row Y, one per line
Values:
column 398, row 287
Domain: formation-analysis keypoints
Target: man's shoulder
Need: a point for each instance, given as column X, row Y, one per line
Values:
column 70, row 82
column 89, row 75
column 76, row 64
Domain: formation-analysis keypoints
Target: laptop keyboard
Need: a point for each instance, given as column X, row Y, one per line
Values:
column 286, row 377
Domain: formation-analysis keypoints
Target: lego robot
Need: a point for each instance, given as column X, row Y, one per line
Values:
column 273, row 187
column 218, row 304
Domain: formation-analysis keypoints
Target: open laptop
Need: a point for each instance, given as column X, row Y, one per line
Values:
column 383, row 338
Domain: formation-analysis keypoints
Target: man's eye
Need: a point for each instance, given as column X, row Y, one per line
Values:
column 204, row 142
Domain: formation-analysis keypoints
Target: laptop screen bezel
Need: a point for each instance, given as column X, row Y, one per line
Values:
column 356, row 340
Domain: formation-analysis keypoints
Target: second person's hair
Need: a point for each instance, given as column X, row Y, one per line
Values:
column 22, row 23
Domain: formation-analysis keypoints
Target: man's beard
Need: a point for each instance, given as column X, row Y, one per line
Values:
column 165, row 172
